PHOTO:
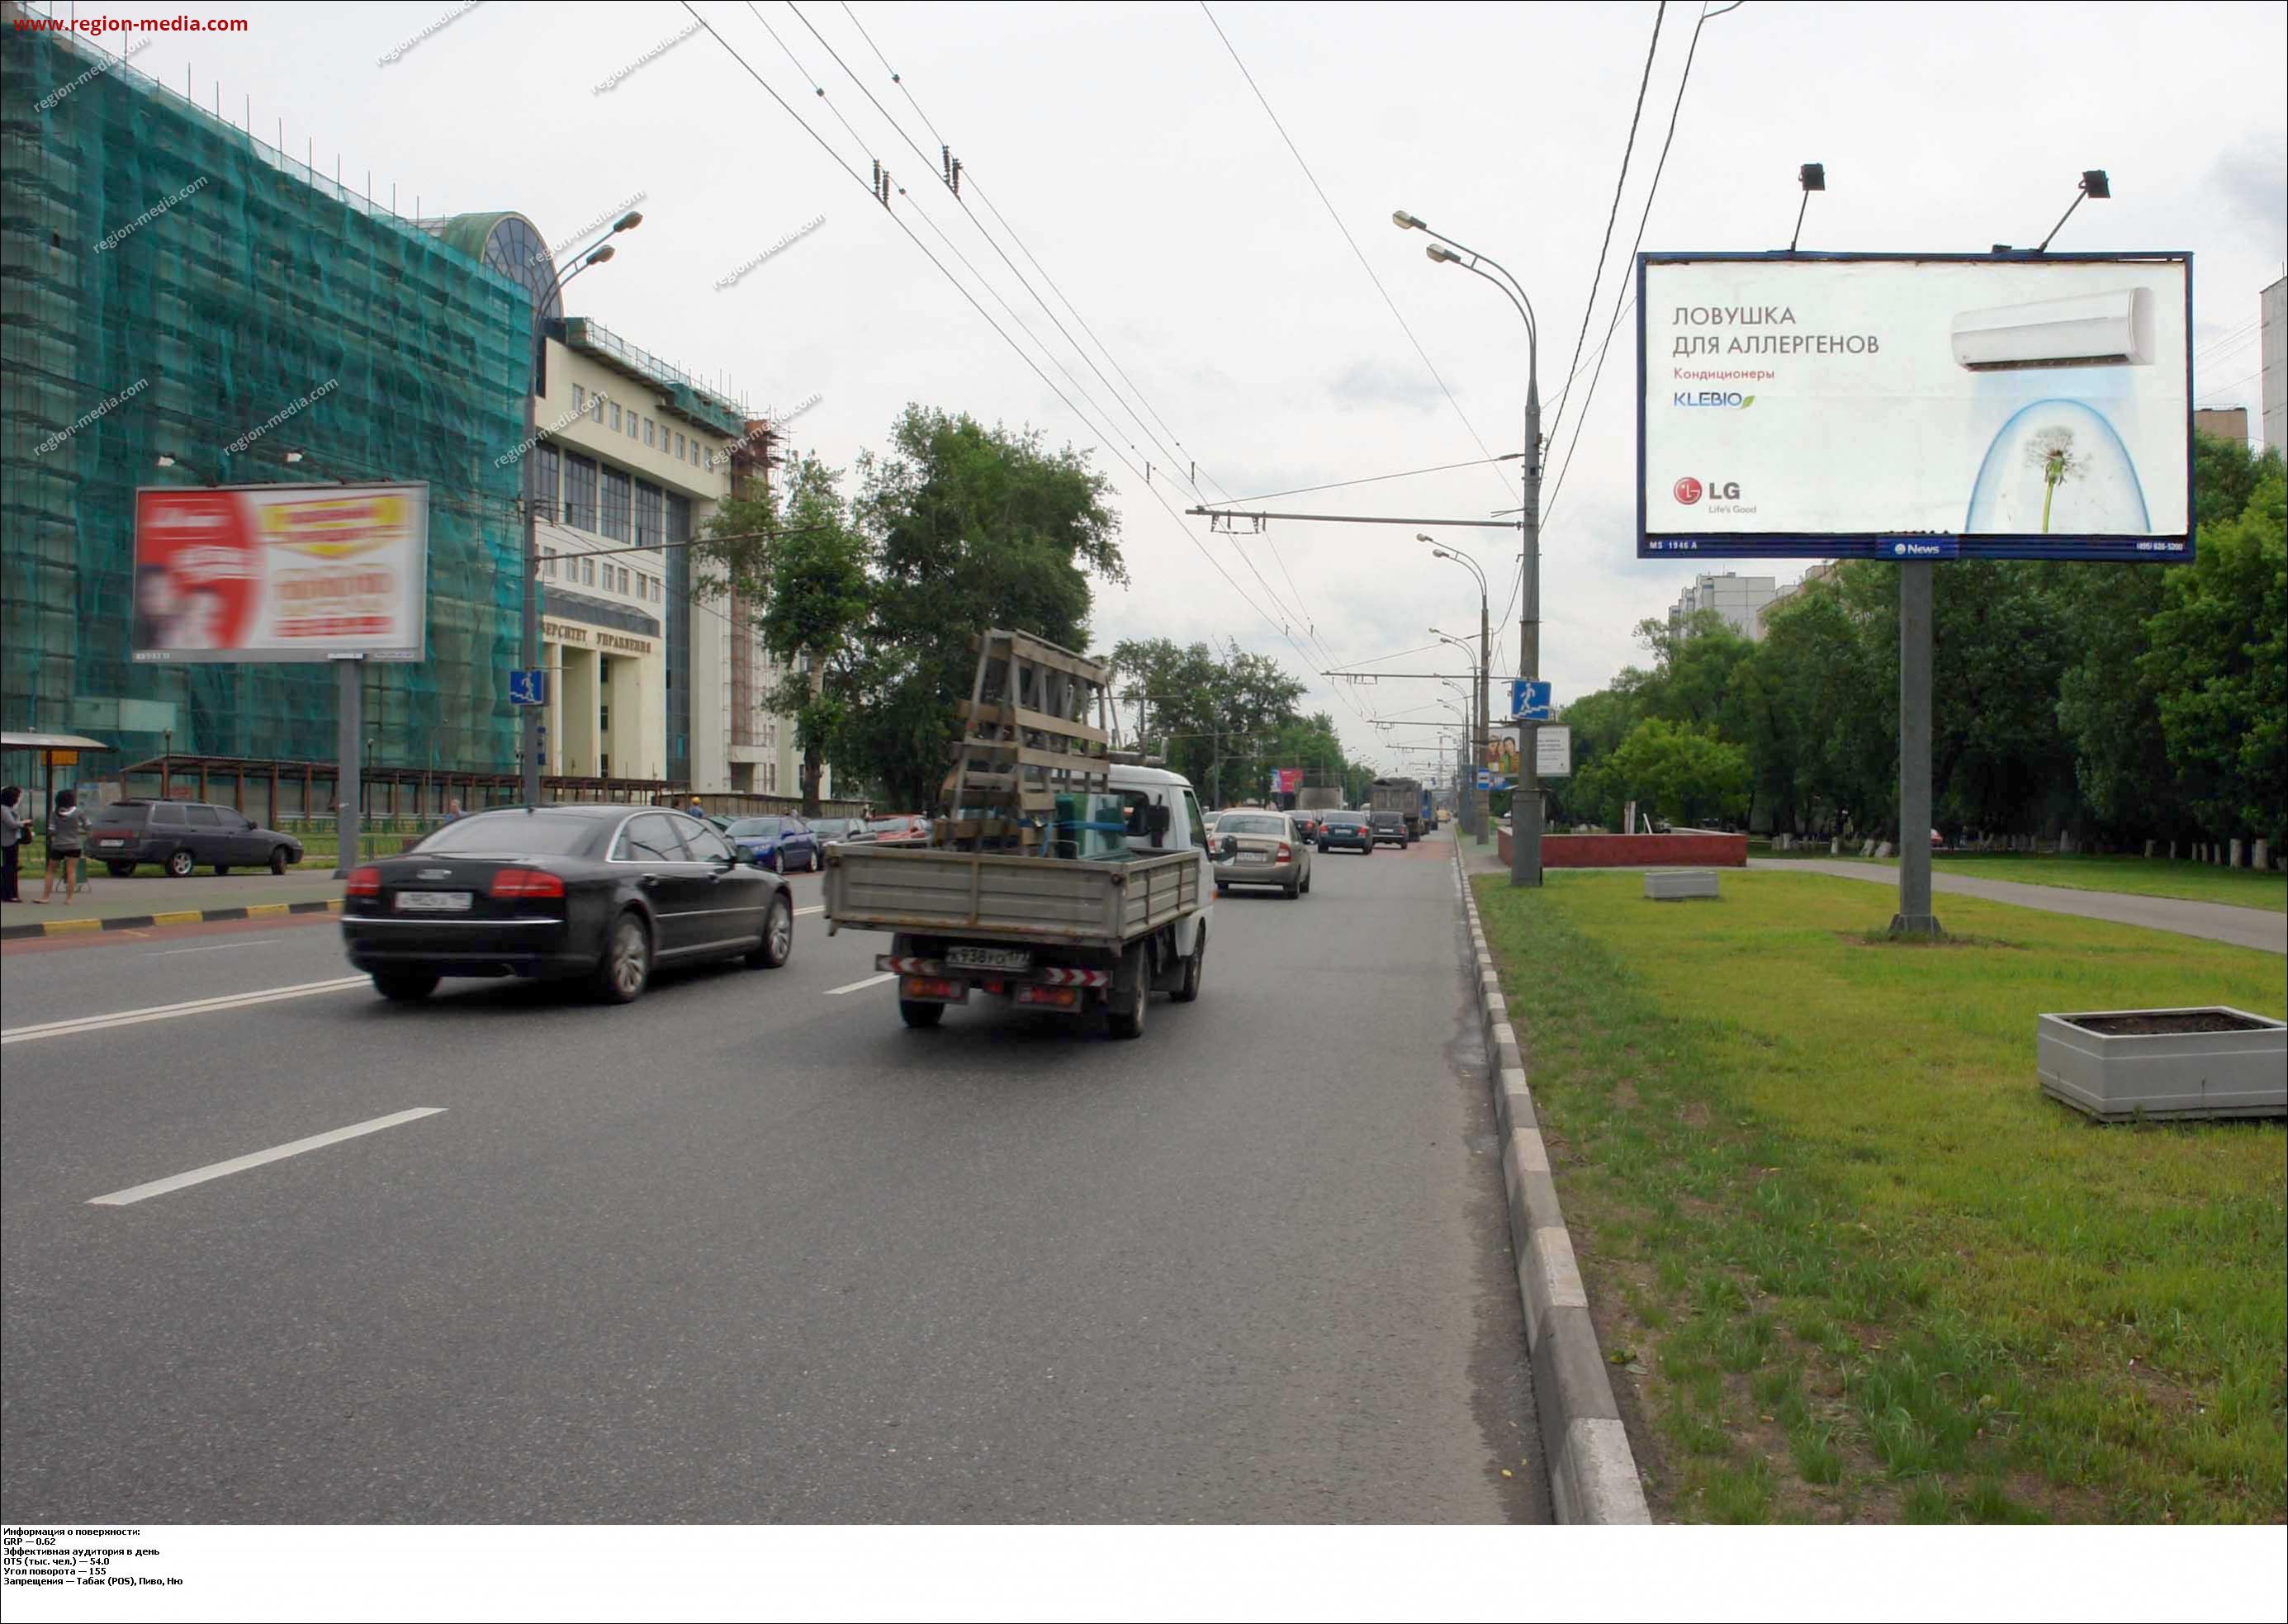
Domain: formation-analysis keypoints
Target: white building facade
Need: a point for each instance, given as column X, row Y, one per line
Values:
column 1736, row 597
column 2272, row 311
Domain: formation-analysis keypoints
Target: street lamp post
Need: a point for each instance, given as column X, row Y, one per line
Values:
column 1466, row 805
column 596, row 254
column 1484, row 703
column 1525, row 821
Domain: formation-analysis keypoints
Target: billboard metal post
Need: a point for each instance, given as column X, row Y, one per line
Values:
column 1914, row 917
column 350, row 677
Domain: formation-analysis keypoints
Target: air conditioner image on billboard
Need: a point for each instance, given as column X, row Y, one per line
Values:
column 2091, row 329
column 2057, row 468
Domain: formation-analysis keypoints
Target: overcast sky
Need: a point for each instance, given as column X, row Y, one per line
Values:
column 1126, row 150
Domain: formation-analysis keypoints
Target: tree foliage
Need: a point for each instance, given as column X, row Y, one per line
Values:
column 2122, row 702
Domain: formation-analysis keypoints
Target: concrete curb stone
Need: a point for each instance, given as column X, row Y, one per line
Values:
column 1592, row 1471
column 183, row 916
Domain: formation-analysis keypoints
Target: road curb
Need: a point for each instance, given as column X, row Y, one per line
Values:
column 1592, row 1471
column 185, row 916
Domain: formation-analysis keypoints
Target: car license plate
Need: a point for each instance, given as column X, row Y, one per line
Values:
column 111, row 843
column 1255, row 857
column 433, row 901
column 989, row 958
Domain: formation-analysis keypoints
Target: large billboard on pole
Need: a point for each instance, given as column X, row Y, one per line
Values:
column 1893, row 406
column 280, row 572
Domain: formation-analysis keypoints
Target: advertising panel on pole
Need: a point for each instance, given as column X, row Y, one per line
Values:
column 1501, row 756
column 1915, row 407
column 1553, row 751
column 266, row 573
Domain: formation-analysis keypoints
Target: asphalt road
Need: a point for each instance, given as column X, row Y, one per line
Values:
column 749, row 1250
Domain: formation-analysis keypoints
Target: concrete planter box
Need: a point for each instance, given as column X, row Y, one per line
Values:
column 2202, row 1062
column 1677, row 884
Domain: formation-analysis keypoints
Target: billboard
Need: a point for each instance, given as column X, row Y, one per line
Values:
column 1915, row 407
column 280, row 572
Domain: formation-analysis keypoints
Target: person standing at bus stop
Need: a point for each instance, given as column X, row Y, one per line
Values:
column 66, row 838
column 11, row 844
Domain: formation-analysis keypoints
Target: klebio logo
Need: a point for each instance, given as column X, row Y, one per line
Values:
column 1687, row 490
column 1732, row 402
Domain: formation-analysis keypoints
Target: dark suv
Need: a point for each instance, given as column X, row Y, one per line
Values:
column 1390, row 828
column 182, row 835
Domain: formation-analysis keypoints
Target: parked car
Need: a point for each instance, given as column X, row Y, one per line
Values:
column 898, row 829
column 1261, row 848
column 1389, row 829
column 603, row 892
column 831, row 830
column 1350, row 830
column 778, row 844
column 181, row 835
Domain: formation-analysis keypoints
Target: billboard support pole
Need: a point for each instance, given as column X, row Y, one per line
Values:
column 1914, row 917
column 349, row 674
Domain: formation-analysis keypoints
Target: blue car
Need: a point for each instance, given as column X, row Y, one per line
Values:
column 778, row 844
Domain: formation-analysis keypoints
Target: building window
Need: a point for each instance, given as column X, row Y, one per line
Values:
column 651, row 515
column 579, row 402
column 635, row 424
column 679, row 448
column 616, row 414
column 596, row 408
column 604, row 674
column 623, row 583
column 604, row 720
column 580, row 493
column 547, row 477
column 548, row 562
column 587, row 572
column 614, row 515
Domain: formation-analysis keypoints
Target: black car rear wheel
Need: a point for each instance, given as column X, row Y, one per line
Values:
column 776, row 944
column 624, row 971
column 180, row 863
column 405, row 985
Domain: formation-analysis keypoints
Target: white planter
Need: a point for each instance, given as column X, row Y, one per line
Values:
column 2112, row 1064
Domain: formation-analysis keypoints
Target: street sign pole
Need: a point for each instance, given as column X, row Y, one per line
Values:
column 1914, row 917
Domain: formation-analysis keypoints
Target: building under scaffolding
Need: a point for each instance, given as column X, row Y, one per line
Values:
column 182, row 305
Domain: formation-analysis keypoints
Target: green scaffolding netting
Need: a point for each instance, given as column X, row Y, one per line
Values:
column 169, row 284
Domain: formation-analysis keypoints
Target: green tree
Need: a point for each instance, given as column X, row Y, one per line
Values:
column 1213, row 716
column 1677, row 770
column 820, row 599
column 972, row 528
column 2219, row 664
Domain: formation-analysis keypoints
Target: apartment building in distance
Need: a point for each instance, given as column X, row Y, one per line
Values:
column 1735, row 597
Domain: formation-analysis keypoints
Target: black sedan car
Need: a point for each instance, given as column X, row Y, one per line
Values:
column 600, row 892
column 1349, row 831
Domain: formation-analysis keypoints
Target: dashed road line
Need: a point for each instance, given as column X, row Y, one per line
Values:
column 240, row 1164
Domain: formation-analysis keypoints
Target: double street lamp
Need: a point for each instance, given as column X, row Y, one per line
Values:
column 595, row 254
column 1525, row 842
column 1484, row 803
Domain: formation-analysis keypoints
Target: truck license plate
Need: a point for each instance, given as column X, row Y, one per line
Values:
column 989, row 958
column 433, row 901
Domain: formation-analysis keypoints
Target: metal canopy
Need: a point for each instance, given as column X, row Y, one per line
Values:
column 50, row 741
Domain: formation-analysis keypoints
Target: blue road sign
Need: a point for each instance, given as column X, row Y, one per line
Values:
column 1485, row 778
column 1528, row 701
column 527, row 687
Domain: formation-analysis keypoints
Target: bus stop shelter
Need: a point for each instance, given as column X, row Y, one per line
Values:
column 53, row 750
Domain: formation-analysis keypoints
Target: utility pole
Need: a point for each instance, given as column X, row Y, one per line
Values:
column 1525, row 804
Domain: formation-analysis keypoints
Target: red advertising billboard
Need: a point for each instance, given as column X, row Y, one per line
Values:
column 280, row 572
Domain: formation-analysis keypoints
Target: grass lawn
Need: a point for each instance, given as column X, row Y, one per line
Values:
column 2138, row 875
column 1854, row 1265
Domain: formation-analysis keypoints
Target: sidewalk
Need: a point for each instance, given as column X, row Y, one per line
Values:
column 2215, row 922
column 140, row 901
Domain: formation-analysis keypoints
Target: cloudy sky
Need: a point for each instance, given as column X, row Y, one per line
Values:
column 1139, row 172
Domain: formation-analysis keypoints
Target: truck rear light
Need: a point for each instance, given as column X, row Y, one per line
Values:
column 363, row 882
column 1050, row 997
column 526, row 882
column 936, row 989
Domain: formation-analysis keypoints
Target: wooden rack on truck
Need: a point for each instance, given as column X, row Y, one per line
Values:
column 1030, row 767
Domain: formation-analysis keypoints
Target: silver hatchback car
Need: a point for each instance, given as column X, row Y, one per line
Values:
column 1261, row 848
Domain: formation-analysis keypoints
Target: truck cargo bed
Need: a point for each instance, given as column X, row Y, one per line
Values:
column 928, row 891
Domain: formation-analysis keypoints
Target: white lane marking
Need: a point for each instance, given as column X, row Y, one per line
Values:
column 815, row 908
column 887, row 975
column 171, row 1011
column 240, row 1164
column 217, row 947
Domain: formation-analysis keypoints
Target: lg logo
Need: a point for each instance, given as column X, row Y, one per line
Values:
column 1689, row 490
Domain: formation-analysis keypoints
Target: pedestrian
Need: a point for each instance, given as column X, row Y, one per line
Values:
column 695, row 809
column 11, row 844
column 452, row 811
column 66, row 833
